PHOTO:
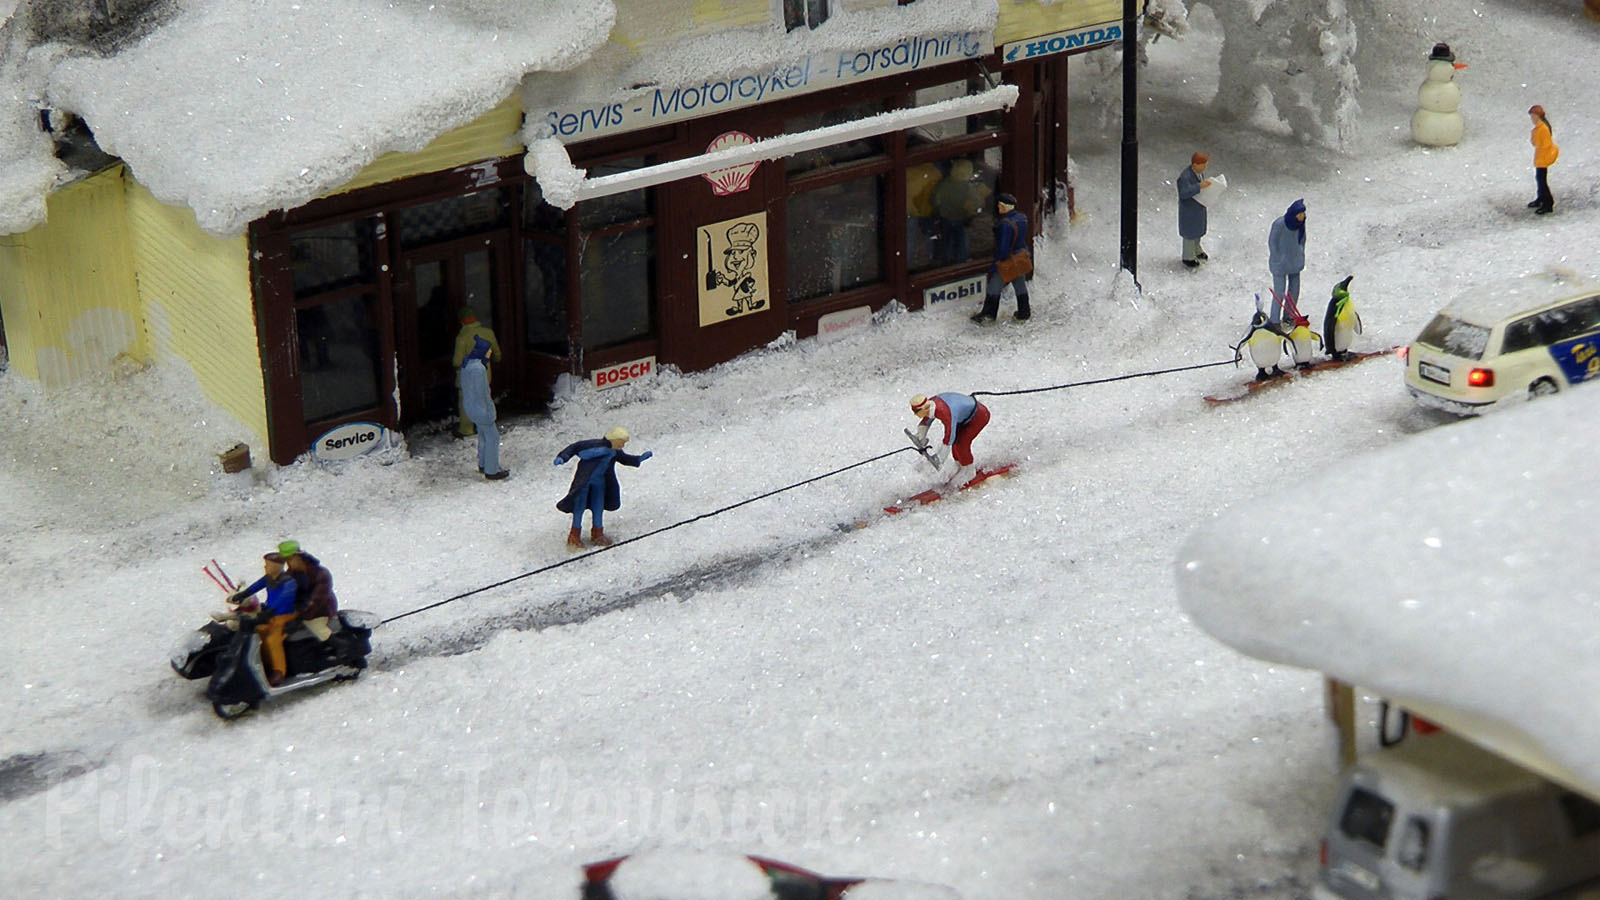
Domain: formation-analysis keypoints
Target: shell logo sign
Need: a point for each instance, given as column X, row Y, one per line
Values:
column 733, row 179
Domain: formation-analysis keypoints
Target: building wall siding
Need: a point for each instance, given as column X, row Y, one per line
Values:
column 1030, row 18
column 72, row 305
column 197, row 305
column 492, row 136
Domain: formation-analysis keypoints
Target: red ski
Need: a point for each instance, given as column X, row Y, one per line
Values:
column 934, row 495
column 1251, row 387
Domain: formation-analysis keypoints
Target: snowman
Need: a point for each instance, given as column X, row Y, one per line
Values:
column 1438, row 122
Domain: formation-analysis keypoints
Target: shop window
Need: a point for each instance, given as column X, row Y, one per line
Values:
column 338, row 345
column 836, row 154
column 544, row 294
column 616, row 208
column 331, row 257
column 537, row 215
column 804, row 13
column 962, row 126
column 833, row 238
column 452, row 217
column 618, row 282
column 950, row 209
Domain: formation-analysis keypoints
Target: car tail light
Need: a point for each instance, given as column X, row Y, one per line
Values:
column 1322, row 855
column 1404, row 353
column 1480, row 378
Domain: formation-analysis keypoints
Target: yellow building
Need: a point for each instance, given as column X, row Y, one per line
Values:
column 340, row 305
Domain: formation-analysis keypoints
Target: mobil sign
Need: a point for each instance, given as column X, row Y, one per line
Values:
column 623, row 373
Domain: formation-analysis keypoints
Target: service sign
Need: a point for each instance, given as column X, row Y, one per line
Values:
column 349, row 441
column 623, row 373
column 660, row 104
column 963, row 289
column 835, row 325
column 1062, row 42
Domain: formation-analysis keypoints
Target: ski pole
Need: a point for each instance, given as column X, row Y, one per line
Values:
column 231, row 585
column 213, row 577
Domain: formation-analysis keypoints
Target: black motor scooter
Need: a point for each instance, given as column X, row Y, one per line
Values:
column 229, row 653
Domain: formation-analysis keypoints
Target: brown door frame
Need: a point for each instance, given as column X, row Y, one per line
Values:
column 452, row 252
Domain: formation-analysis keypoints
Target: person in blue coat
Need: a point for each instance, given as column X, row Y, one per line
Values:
column 1191, row 212
column 1286, row 256
column 282, row 592
column 1011, row 236
column 479, row 407
column 594, row 485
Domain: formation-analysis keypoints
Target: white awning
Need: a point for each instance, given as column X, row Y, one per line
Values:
column 770, row 148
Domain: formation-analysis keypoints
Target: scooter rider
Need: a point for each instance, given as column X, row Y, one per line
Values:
column 282, row 590
column 315, row 602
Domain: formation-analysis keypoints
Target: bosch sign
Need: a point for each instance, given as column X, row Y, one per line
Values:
column 622, row 373
column 349, row 441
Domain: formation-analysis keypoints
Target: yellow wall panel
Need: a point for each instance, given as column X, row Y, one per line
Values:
column 72, row 305
column 198, row 304
column 1030, row 18
column 18, row 309
column 492, row 136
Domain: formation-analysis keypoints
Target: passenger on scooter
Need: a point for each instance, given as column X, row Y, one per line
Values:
column 317, row 605
column 282, row 590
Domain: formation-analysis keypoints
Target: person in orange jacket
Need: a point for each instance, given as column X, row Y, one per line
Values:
column 1545, row 152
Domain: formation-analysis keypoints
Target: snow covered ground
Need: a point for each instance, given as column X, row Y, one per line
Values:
column 998, row 693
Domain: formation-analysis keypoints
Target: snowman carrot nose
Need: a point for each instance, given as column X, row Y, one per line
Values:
column 1459, row 65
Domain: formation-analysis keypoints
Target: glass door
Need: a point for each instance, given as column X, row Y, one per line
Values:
column 442, row 284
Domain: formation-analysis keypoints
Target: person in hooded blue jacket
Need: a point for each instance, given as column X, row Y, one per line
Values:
column 594, row 485
column 1286, row 256
column 479, row 407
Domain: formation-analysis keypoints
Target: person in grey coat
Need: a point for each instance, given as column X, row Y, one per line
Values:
column 479, row 407
column 1286, row 256
column 1191, row 212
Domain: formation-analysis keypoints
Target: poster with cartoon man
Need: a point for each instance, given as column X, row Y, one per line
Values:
column 733, row 259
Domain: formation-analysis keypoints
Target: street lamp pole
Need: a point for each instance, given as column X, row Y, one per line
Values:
column 1130, row 140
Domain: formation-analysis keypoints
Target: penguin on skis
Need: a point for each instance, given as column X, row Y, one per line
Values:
column 1301, row 342
column 1265, row 346
column 1341, row 323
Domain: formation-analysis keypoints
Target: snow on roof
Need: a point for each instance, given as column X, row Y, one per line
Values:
column 1454, row 569
column 699, row 58
column 1490, row 303
column 235, row 108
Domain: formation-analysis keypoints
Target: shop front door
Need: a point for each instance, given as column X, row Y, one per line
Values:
column 436, row 284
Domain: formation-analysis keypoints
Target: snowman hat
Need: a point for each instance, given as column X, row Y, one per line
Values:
column 1442, row 51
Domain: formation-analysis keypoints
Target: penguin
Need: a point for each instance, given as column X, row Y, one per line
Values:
column 1341, row 323
column 1301, row 342
column 1265, row 345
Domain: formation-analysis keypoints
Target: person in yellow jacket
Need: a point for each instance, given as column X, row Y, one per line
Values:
column 471, row 328
column 1545, row 152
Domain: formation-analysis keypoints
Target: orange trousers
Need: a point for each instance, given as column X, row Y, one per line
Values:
column 272, row 643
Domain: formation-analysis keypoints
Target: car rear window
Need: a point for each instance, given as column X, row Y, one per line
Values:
column 1366, row 817
column 1455, row 337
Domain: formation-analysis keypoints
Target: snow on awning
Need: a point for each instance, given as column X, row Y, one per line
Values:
column 1451, row 572
column 235, row 108
column 563, row 185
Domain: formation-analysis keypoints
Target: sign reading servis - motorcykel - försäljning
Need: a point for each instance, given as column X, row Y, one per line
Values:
column 660, row 104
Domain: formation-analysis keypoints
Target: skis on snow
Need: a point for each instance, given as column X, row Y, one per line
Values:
column 934, row 495
column 1249, row 388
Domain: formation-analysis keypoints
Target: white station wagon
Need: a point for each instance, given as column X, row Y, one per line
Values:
column 1535, row 335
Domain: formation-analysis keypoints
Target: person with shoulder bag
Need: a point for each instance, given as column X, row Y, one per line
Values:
column 1012, row 262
